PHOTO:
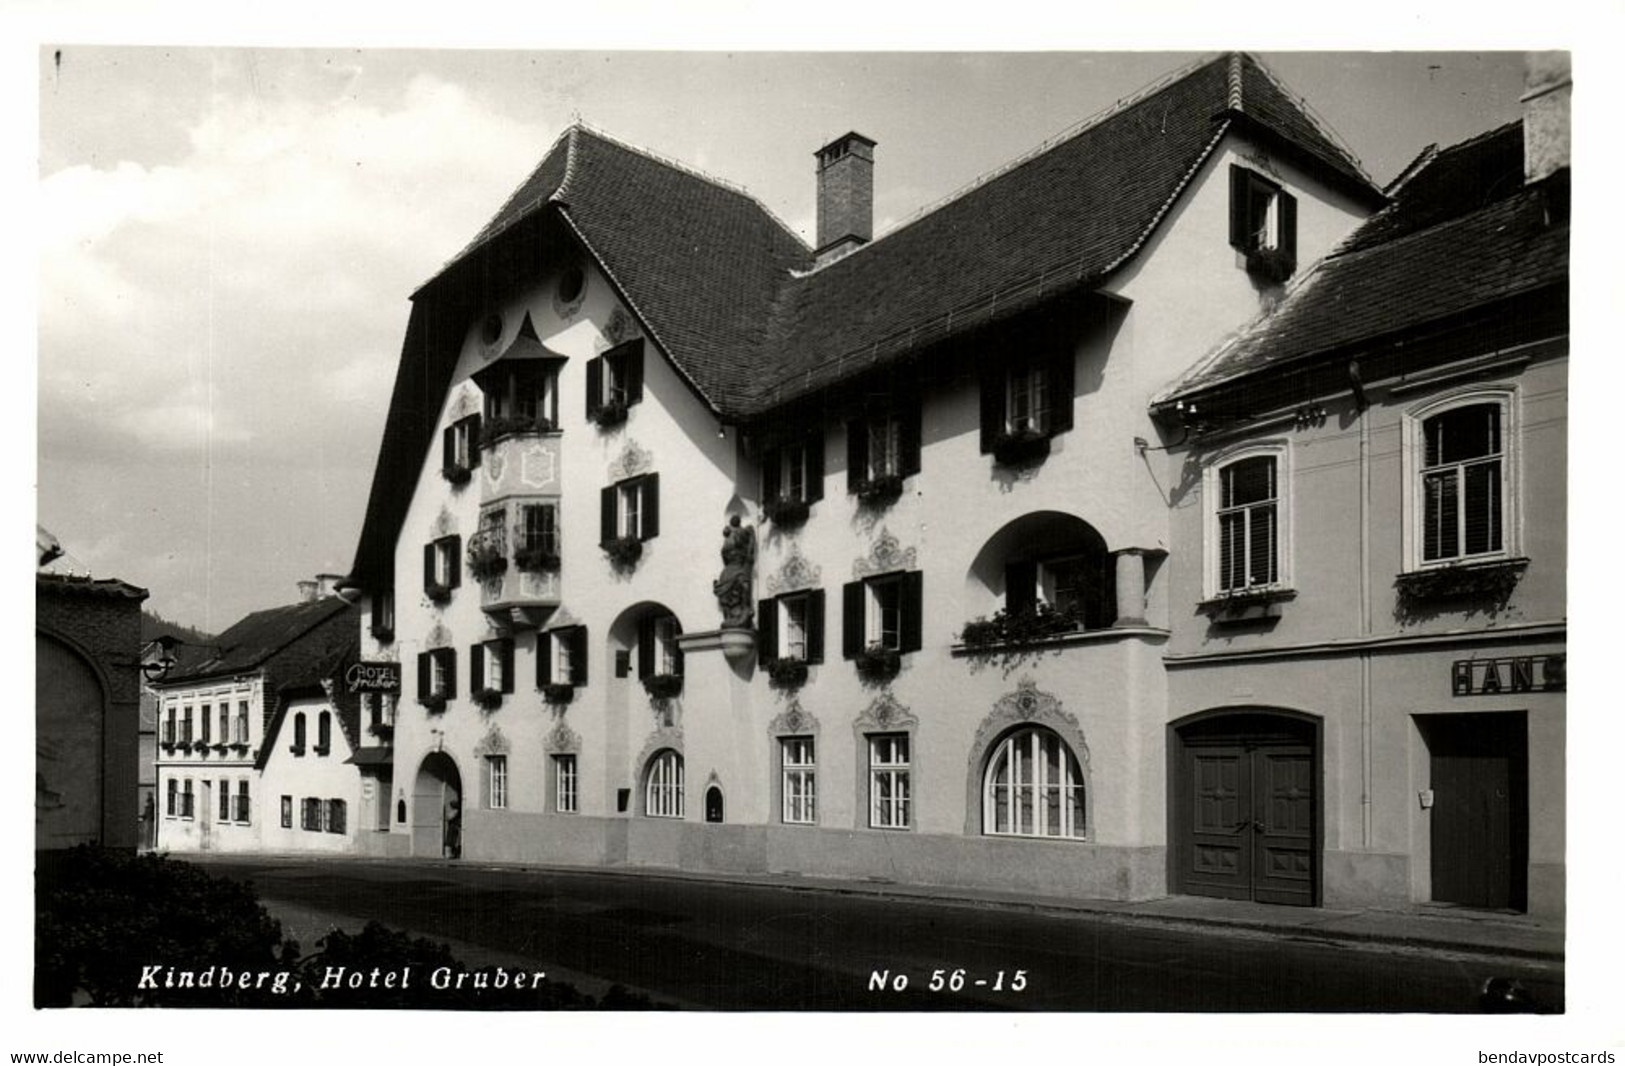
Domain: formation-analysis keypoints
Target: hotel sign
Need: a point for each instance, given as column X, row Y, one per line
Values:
column 1495, row 677
column 373, row 677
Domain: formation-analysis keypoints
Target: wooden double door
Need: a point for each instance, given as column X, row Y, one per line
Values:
column 1245, row 813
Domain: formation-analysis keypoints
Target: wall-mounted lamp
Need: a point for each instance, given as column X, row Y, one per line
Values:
column 159, row 668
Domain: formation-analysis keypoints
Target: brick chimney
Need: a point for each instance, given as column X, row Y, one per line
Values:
column 327, row 585
column 307, row 591
column 846, row 196
column 1547, row 84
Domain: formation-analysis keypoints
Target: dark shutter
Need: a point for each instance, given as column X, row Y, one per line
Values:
column 578, row 654
column 677, row 651
column 448, row 658
column 767, row 629
column 770, row 475
column 815, row 467
column 476, row 667
column 456, row 562
column 852, row 611
column 606, row 515
column 634, row 372
column 595, row 386
column 623, row 663
column 544, row 659
column 815, row 626
column 650, row 487
column 857, row 453
column 428, row 566
column 1289, row 225
column 425, row 674
column 1062, row 373
column 646, row 647
column 908, row 436
column 473, row 440
column 992, row 381
column 1240, row 235
column 1020, row 586
column 505, row 649
column 448, row 447
column 913, row 620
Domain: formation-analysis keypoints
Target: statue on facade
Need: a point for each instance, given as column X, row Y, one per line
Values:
column 733, row 588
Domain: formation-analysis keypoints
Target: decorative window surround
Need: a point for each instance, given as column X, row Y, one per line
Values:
column 1025, row 706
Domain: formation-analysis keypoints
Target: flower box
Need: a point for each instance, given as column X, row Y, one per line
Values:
column 488, row 699
column 240, row 749
column 381, row 730
column 320, row 749
column 495, row 429
column 610, row 415
column 200, row 746
column 433, row 704
column 558, row 694
column 876, row 663
column 1022, row 446
column 485, row 563
column 1246, row 605
column 1271, row 265
column 297, row 749
column 456, row 473
column 881, row 490
column 786, row 512
column 437, row 592
column 1039, row 622
column 221, row 747
column 788, row 674
column 536, row 560
column 1492, row 581
column 663, row 686
column 624, row 552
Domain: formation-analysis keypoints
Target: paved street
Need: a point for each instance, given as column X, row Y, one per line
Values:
column 715, row 945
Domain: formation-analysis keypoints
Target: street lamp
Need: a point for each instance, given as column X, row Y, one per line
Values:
column 159, row 668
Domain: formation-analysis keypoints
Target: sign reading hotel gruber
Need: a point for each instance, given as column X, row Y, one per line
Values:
column 1523, row 673
column 373, row 677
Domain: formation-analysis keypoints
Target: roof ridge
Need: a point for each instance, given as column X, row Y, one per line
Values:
column 1075, row 130
column 1426, row 156
column 692, row 171
column 1431, row 228
column 1319, row 122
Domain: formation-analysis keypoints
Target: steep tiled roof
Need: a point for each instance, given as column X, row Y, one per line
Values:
column 307, row 681
column 82, row 585
column 1463, row 233
column 259, row 636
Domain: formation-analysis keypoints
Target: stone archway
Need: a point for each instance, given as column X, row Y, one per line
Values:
column 437, row 808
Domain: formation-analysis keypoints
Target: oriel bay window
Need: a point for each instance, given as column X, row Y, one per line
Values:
column 442, row 567
column 561, row 656
column 615, row 382
column 521, row 396
column 537, row 532
column 791, row 626
column 1033, row 787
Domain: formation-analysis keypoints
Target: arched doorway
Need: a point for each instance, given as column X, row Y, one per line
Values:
column 437, row 808
column 713, row 804
column 1244, row 807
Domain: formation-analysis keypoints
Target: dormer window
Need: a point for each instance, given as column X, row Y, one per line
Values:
column 1263, row 224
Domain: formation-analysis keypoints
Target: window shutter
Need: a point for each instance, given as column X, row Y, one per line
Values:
column 650, row 518
column 815, row 626
column 425, row 675
column 770, row 475
column 623, row 663
column 606, row 514
column 852, row 605
column 857, row 453
column 1240, row 235
column 1062, row 372
column 677, row 652
column 908, row 434
column 1020, row 586
column 767, row 629
column 1289, row 225
column 646, row 647
column 456, row 566
column 448, row 447
column 476, row 667
column 993, row 382
column 451, row 672
column 913, row 620
column 578, row 654
column 474, row 441
column 428, row 566
column 505, row 649
column 815, row 467
column 634, row 372
column 595, row 386
column 544, row 659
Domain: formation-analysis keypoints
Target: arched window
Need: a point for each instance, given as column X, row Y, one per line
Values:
column 663, row 785
column 1461, row 467
column 1033, row 787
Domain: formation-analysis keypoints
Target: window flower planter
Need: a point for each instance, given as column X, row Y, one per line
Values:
column 558, row 694
column 1039, row 622
column 786, row 512
column 1491, row 581
column 433, row 704
column 876, row 663
column 788, row 674
column 495, row 429
column 1246, row 605
column 221, row 747
column 381, row 730
column 487, row 699
column 624, row 552
column 536, row 560
column 1271, row 265
column 880, row 491
column 297, row 749
column 486, row 563
column 663, row 686
column 456, row 474
column 438, row 593
column 200, row 746
column 240, row 749
column 320, row 749
column 610, row 415
column 1021, row 447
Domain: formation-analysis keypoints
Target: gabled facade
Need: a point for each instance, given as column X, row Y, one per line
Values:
column 1366, row 697
column 930, row 645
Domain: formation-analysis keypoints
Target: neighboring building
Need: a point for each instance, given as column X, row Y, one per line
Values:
column 87, row 642
column 1366, row 698
column 215, row 717
column 943, row 623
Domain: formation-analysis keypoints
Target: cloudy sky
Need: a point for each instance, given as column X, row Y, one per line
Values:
column 231, row 236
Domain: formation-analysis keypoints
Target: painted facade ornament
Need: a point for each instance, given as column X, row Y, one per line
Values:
column 884, row 556
column 1029, row 705
column 618, row 328
column 439, row 637
column 538, row 464
column 494, row 463
column 794, row 574
column 632, row 461
column 464, row 403
column 445, row 524
column 561, row 739
column 662, row 738
column 884, row 712
column 793, row 719
column 733, row 586
column 493, row 743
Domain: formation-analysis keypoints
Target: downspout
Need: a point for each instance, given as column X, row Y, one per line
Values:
column 1366, row 813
